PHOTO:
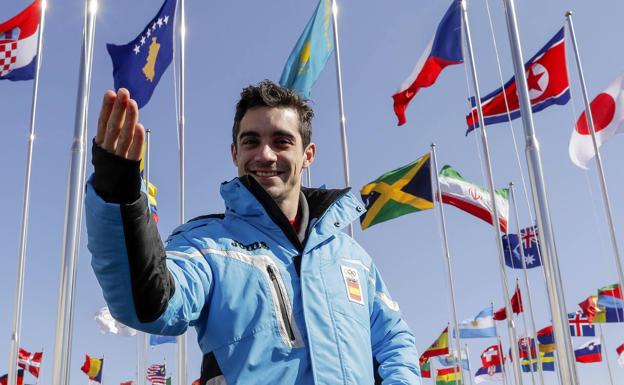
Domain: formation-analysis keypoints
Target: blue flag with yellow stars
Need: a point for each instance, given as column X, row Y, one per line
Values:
column 139, row 64
column 308, row 58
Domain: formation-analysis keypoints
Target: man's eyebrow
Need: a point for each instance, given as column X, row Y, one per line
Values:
column 283, row 133
column 246, row 134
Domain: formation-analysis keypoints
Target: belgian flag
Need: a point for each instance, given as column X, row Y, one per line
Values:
column 398, row 192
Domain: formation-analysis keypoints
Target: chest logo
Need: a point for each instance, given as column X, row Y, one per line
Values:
column 250, row 247
column 351, row 279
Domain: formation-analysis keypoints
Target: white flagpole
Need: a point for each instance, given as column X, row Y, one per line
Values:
column 469, row 365
column 605, row 354
column 502, row 354
column 447, row 254
column 599, row 167
column 182, row 380
column 490, row 180
column 343, row 126
column 75, row 199
column 528, row 334
column 533, row 334
column 567, row 368
column 21, row 259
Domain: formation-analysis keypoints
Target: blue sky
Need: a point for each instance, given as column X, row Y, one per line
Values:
column 232, row 44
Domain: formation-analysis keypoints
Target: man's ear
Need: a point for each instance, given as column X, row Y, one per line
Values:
column 233, row 151
column 309, row 153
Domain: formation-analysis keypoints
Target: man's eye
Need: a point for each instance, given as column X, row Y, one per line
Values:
column 248, row 142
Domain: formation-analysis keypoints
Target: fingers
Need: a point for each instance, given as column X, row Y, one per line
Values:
column 105, row 111
column 116, row 120
column 135, row 151
column 127, row 131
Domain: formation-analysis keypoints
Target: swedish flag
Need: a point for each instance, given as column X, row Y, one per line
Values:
column 313, row 49
column 139, row 64
column 398, row 192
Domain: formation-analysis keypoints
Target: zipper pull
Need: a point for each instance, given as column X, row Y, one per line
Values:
column 271, row 273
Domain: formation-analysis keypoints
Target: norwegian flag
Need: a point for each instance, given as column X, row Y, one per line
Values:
column 30, row 361
column 18, row 44
column 547, row 80
column 156, row 374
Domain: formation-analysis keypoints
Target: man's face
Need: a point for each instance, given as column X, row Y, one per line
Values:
column 269, row 148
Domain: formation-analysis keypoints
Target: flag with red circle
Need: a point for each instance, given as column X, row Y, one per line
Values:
column 607, row 111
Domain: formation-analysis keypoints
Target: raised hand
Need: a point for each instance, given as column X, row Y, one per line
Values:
column 119, row 131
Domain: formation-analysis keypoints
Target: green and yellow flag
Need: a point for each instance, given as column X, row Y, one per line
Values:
column 398, row 192
column 448, row 376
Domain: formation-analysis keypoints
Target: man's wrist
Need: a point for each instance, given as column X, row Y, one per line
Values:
column 115, row 179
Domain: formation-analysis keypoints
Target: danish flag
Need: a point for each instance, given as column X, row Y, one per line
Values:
column 30, row 361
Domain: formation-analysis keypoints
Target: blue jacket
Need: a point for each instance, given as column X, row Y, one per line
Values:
column 267, row 308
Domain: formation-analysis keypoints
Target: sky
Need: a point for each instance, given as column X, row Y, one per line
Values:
column 234, row 43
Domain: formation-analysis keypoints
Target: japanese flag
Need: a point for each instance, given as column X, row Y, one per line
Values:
column 608, row 114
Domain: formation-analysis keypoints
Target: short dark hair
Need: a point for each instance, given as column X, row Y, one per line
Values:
column 268, row 94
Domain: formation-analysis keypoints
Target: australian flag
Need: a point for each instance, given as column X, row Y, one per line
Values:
column 139, row 64
column 511, row 246
column 547, row 80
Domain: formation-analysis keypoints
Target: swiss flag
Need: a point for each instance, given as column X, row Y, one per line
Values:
column 492, row 356
column 607, row 110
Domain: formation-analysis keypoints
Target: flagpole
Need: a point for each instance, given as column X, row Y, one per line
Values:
column 604, row 347
column 469, row 366
column 343, row 126
column 526, row 330
column 550, row 260
column 447, row 255
column 490, row 179
column 500, row 347
column 74, row 205
column 21, row 259
column 512, row 197
column 599, row 166
column 182, row 380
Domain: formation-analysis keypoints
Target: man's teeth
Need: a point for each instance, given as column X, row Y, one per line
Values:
column 266, row 173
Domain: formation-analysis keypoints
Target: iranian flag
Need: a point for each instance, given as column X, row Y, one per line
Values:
column 473, row 198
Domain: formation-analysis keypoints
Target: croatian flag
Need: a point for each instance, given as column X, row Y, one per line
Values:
column 443, row 50
column 18, row 44
column 547, row 80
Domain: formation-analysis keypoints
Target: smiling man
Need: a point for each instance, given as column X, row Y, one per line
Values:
column 277, row 292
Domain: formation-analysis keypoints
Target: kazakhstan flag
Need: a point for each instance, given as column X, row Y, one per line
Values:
column 139, row 64
column 308, row 58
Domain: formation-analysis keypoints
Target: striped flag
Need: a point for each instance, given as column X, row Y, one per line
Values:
column 472, row 198
column 156, row 374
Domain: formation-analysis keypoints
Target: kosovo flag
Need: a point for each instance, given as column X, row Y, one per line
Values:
column 139, row 64
column 398, row 192
column 313, row 49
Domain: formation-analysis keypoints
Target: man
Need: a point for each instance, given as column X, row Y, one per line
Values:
column 277, row 292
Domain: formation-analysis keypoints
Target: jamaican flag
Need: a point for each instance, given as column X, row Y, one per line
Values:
column 398, row 192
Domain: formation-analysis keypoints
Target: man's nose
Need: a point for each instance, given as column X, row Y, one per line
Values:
column 266, row 153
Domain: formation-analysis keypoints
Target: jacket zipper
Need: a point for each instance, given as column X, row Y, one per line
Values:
column 282, row 303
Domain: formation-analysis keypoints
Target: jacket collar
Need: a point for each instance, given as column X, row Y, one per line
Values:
column 329, row 210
